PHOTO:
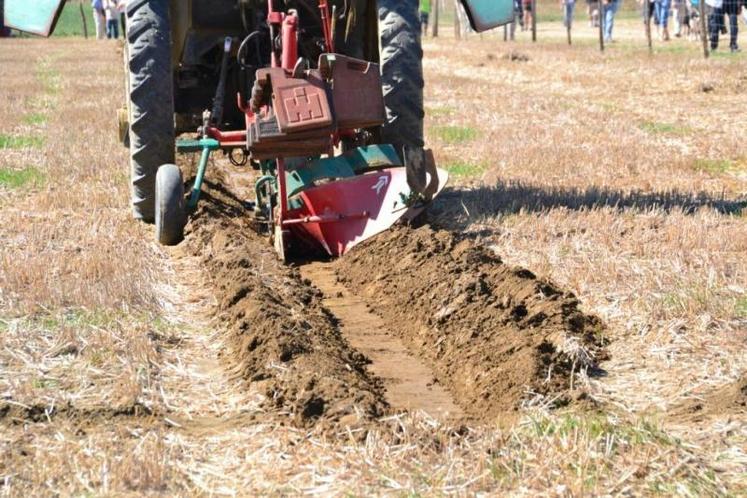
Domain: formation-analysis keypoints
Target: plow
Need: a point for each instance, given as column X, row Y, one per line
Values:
column 322, row 98
column 317, row 188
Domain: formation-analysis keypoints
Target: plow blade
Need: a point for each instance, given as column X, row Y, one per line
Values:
column 341, row 214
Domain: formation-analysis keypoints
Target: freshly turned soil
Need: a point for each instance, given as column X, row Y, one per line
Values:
column 495, row 335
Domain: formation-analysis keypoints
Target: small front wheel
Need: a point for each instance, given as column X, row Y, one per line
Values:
column 171, row 215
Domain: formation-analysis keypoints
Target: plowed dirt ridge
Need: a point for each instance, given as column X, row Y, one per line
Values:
column 413, row 319
column 495, row 335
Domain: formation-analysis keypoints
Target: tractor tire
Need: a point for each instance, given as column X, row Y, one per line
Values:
column 401, row 59
column 151, row 94
column 171, row 214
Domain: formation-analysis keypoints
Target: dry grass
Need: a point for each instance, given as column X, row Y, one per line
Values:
column 78, row 307
column 619, row 178
column 596, row 192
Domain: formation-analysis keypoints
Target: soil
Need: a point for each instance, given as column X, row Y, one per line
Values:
column 412, row 319
column 494, row 335
column 409, row 383
column 728, row 400
column 281, row 339
column 22, row 414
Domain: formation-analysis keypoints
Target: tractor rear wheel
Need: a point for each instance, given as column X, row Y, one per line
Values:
column 401, row 58
column 151, row 94
column 171, row 215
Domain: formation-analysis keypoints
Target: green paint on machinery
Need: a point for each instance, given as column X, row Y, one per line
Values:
column 206, row 146
column 349, row 164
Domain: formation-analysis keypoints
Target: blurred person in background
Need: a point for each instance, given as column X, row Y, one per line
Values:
column 731, row 10
column 609, row 10
column 98, row 17
column 679, row 16
column 662, row 15
column 651, row 14
column 517, row 18
column 527, row 5
column 112, row 19
column 122, row 8
column 592, row 8
column 425, row 14
column 693, row 20
column 568, row 6
column 715, row 13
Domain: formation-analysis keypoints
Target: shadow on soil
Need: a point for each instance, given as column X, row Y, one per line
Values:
column 217, row 205
column 510, row 198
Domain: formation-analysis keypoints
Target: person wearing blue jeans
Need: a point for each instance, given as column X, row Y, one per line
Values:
column 662, row 14
column 608, row 17
column 568, row 7
column 111, row 13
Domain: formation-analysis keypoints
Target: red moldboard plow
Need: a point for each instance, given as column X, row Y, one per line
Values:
column 341, row 214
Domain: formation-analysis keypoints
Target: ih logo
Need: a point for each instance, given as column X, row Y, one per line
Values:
column 303, row 105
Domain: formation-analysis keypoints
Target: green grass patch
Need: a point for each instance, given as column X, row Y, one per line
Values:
column 609, row 106
column 83, row 318
column 45, row 383
column 465, row 169
column 724, row 53
column 713, row 166
column 599, row 427
column 70, row 22
column 455, row 134
column 740, row 307
column 19, row 142
column 439, row 112
column 35, row 119
column 18, row 178
column 97, row 319
column 655, row 128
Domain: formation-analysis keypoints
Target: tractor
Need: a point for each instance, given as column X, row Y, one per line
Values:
column 324, row 98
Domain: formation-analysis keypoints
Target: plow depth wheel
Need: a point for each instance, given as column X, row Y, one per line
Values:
column 171, row 215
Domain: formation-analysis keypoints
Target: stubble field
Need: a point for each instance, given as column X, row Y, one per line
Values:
column 596, row 210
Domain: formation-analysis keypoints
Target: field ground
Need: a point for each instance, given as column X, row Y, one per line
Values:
column 621, row 177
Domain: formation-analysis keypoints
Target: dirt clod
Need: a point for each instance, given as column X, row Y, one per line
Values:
column 514, row 56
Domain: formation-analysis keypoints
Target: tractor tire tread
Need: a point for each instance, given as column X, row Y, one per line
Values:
column 401, row 59
column 152, row 139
